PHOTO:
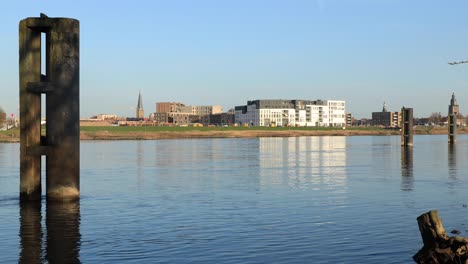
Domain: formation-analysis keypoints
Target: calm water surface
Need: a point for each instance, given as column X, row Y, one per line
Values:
column 267, row 200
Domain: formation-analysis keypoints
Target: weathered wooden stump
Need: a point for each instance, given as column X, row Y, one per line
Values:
column 438, row 246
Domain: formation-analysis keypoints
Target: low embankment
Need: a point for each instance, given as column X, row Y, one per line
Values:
column 219, row 132
column 151, row 133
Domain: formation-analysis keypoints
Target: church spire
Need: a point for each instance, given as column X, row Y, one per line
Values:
column 453, row 101
column 139, row 110
column 453, row 107
column 384, row 108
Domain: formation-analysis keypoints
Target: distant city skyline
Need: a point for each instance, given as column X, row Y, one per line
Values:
column 225, row 53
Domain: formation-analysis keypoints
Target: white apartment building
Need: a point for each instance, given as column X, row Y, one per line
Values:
column 292, row 113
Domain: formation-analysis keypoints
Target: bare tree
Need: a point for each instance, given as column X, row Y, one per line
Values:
column 435, row 117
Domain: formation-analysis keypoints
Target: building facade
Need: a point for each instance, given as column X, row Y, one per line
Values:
column 386, row 118
column 329, row 113
column 106, row 117
column 167, row 107
column 349, row 119
column 219, row 119
column 205, row 110
column 181, row 114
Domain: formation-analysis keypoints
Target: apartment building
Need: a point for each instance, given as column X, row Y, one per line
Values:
column 180, row 114
column 292, row 113
column 386, row 118
column 205, row 110
column 167, row 107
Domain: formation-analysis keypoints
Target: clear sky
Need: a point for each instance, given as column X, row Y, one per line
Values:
column 213, row 52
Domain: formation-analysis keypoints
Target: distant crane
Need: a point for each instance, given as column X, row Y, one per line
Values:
column 457, row 62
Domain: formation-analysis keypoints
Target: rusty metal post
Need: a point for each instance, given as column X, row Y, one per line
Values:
column 60, row 84
column 406, row 126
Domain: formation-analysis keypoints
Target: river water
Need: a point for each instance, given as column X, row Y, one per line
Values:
column 262, row 200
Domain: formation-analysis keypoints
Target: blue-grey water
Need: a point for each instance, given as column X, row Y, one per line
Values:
column 262, row 200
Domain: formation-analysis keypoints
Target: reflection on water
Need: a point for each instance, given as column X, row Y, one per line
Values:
column 407, row 179
column 30, row 232
column 303, row 161
column 140, row 151
column 62, row 241
column 258, row 200
column 452, row 161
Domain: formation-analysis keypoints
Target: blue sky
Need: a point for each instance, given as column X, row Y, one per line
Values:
column 212, row 52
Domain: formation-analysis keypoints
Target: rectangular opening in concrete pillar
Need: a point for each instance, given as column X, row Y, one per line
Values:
column 43, row 118
column 43, row 53
column 43, row 172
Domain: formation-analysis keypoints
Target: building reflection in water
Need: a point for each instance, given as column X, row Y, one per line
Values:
column 303, row 162
column 61, row 244
column 140, row 154
column 407, row 179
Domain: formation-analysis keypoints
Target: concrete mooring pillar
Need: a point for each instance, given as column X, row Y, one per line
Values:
column 406, row 126
column 452, row 120
column 59, row 82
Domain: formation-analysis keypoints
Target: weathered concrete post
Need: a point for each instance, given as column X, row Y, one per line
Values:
column 452, row 120
column 60, row 84
column 406, row 126
column 30, row 111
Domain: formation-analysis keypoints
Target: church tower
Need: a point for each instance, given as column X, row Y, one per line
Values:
column 453, row 107
column 384, row 108
column 139, row 109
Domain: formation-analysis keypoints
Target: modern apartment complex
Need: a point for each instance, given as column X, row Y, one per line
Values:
column 292, row 113
column 179, row 113
column 386, row 118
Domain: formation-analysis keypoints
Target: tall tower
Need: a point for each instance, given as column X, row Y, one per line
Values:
column 384, row 108
column 139, row 110
column 453, row 105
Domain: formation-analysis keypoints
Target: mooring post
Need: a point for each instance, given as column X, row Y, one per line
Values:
column 30, row 111
column 407, row 126
column 60, row 84
column 452, row 120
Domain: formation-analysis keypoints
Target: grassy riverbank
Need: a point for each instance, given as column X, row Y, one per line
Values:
column 136, row 133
